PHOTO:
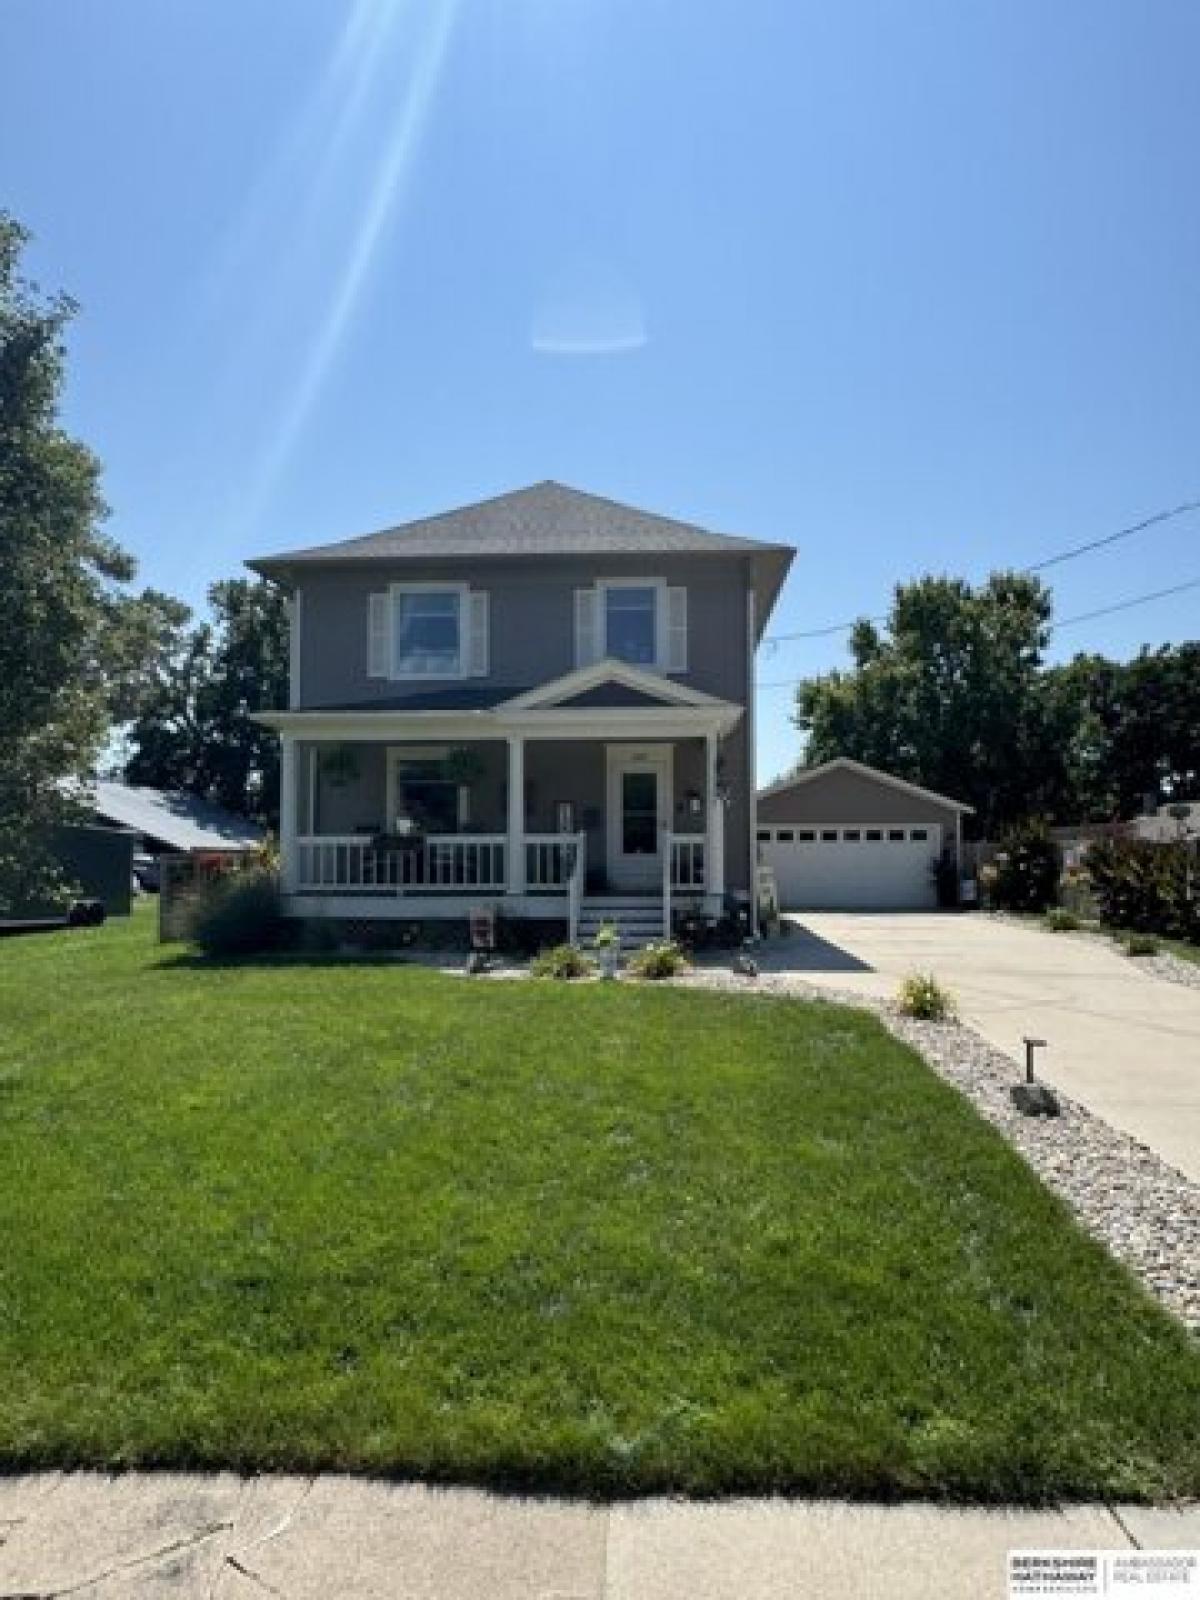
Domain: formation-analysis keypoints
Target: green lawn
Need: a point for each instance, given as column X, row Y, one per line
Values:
column 598, row 1239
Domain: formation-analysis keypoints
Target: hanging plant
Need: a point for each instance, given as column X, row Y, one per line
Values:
column 464, row 766
column 339, row 766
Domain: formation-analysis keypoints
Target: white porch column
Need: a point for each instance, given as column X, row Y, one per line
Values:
column 714, row 838
column 288, row 797
column 516, row 814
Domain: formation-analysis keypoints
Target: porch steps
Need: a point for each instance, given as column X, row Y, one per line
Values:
column 638, row 918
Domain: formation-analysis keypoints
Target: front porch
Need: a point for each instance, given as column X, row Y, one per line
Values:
column 537, row 827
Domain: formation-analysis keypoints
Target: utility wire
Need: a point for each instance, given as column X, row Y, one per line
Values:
column 1067, row 622
column 1038, row 566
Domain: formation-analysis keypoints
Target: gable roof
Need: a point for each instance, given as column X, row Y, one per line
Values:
column 182, row 821
column 662, row 691
column 848, row 764
column 546, row 519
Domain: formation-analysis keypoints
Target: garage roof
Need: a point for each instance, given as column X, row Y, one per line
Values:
column 847, row 764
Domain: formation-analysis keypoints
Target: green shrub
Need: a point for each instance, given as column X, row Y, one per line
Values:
column 1025, row 871
column 1152, row 888
column 1062, row 921
column 923, row 997
column 1141, row 944
column 665, row 960
column 606, row 934
column 563, row 961
column 238, row 914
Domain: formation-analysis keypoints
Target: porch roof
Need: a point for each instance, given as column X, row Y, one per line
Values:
column 551, row 710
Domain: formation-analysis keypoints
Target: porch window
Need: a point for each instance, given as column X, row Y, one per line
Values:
column 630, row 624
column 425, row 794
column 426, row 633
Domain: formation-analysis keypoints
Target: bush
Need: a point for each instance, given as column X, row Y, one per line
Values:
column 923, row 997
column 1152, row 888
column 1062, row 921
column 563, row 961
column 1026, row 870
column 1141, row 944
column 665, row 960
column 238, row 914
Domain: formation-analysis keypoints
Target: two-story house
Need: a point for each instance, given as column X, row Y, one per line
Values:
column 542, row 702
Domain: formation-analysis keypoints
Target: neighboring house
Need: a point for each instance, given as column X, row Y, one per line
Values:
column 847, row 836
column 1168, row 824
column 172, row 823
column 541, row 702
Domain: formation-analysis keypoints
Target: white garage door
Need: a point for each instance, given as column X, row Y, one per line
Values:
column 887, row 867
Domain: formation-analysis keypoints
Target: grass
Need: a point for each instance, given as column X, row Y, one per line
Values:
column 604, row 1240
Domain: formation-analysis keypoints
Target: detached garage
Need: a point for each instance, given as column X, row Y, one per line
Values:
column 843, row 836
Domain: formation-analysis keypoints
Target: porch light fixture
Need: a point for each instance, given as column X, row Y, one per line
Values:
column 694, row 803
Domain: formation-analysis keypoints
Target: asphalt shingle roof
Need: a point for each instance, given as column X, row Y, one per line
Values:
column 546, row 519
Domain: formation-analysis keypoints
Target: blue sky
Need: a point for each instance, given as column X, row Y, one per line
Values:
column 910, row 286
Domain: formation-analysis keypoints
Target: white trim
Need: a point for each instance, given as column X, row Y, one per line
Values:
column 294, row 616
column 516, row 815
column 610, row 670
column 587, row 641
column 379, row 610
column 618, row 759
column 463, row 591
column 288, row 798
column 752, row 762
column 576, row 722
column 847, row 763
column 478, row 653
column 675, row 641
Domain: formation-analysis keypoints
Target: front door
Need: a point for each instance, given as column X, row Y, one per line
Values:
column 639, row 814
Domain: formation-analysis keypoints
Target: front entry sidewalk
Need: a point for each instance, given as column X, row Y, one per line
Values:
column 167, row 1536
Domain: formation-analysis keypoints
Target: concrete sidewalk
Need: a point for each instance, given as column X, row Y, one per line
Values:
column 174, row 1537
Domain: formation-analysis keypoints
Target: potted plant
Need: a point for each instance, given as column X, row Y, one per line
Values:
column 339, row 766
column 464, row 766
column 607, row 945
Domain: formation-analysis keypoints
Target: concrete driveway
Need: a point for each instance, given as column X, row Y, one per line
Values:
column 1120, row 1041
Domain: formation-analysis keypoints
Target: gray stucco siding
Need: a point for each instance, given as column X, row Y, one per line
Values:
column 851, row 797
column 531, row 621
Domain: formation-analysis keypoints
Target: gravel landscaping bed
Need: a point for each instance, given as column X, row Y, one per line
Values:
column 1141, row 1208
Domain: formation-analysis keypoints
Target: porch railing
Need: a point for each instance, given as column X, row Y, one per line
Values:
column 550, row 859
column 687, row 861
column 683, row 869
column 437, row 864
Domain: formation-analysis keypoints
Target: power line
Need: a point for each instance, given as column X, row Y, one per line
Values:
column 1111, row 538
column 1038, row 566
column 1124, row 605
column 1067, row 622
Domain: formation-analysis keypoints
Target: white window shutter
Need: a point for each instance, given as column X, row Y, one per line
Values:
column 377, row 636
column 677, row 640
column 477, row 634
column 587, row 627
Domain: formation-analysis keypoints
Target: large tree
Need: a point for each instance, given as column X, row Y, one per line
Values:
column 59, row 578
column 947, row 694
column 193, row 730
column 1137, row 728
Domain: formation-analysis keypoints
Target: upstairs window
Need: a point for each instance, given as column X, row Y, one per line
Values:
column 631, row 624
column 642, row 621
column 428, row 630
column 426, row 633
